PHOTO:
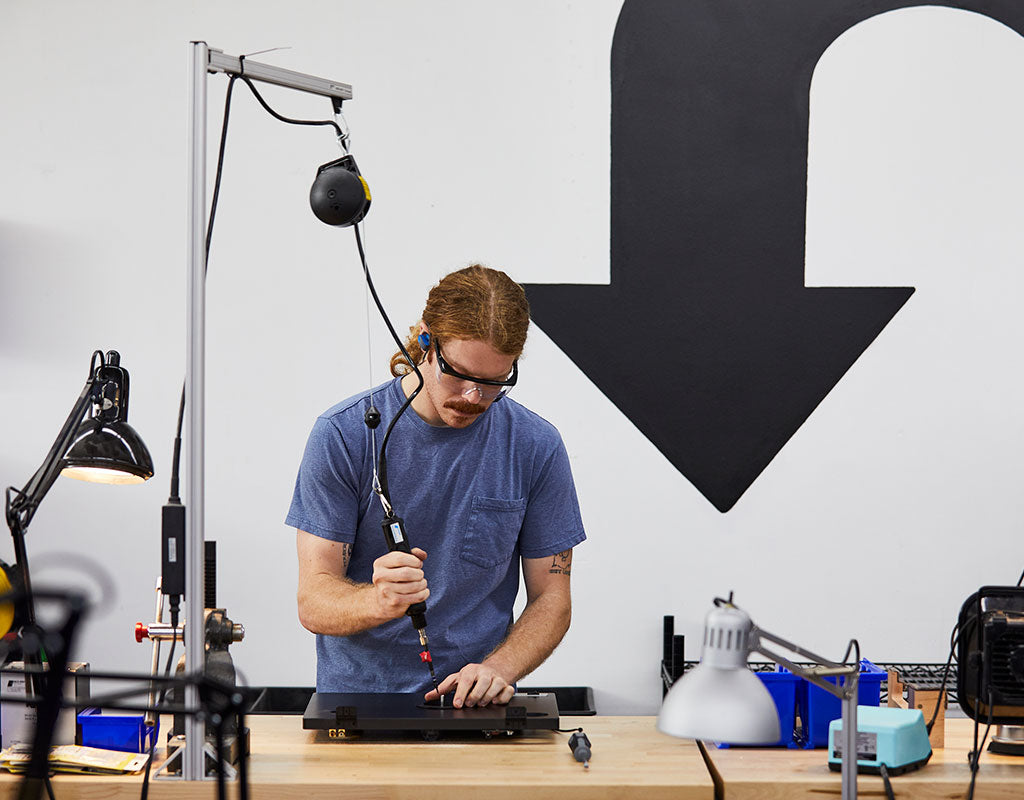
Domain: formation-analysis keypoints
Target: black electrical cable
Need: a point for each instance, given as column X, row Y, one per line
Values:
column 382, row 470
column 218, row 735
column 954, row 639
column 220, row 167
column 975, row 755
column 176, row 458
column 382, row 456
column 382, row 464
column 722, row 601
column 283, row 118
column 243, row 759
column 887, row 783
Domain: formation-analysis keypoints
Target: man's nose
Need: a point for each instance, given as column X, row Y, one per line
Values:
column 473, row 388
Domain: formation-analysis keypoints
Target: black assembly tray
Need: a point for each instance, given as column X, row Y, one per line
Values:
column 408, row 712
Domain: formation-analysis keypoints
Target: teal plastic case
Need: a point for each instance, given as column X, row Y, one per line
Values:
column 895, row 737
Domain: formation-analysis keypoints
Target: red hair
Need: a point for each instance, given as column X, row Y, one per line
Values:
column 476, row 303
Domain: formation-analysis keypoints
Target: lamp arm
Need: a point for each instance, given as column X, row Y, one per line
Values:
column 22, row 507
column 816, row 674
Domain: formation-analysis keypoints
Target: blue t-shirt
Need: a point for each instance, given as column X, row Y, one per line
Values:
column 475, row 499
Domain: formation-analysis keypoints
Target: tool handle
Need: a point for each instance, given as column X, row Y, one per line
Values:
column 394, row 535
column 580, row 746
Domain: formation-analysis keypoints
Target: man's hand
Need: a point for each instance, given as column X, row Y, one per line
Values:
column 475, row 685
column 398, row 582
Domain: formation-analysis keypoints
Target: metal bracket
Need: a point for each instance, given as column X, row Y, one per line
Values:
column 218, row 61
column 180, row 746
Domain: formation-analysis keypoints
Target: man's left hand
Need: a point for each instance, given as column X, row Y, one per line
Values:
column 475, row 685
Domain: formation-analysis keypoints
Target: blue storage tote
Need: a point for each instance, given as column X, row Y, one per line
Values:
column 782, row 686
column 128, row 733
column 817, row 708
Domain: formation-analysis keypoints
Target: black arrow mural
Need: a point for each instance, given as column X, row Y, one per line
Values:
column 706, row 337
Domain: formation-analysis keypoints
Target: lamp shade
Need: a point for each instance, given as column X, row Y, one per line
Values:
column 722, row 705
column 720, row 699
column 108, row 452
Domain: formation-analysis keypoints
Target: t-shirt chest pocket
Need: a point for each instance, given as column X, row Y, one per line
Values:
column 493, row 530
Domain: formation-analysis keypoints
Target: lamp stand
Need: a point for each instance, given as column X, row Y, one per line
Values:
column 847, row 693
column 849, row 761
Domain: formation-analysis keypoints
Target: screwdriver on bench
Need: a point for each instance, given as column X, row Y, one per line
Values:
column 394, row 534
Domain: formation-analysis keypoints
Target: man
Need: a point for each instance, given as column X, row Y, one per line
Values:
column 482, row 484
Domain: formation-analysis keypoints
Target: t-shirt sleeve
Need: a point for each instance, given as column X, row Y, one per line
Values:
column 326, row 498
column 552, row 522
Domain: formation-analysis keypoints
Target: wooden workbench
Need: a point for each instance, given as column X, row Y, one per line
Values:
column 781, row 774
column 630, row 760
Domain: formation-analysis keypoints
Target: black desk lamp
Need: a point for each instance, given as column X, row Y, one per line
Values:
column 96, row 444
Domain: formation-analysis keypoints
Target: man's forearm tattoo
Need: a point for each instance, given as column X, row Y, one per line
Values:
column 346, row 556
column 561, row 563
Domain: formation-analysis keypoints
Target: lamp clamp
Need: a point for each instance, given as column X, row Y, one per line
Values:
column 110, row 388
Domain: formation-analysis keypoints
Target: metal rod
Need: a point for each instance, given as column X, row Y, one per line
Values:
column 164, row 632
column 220, row 62
column 759, row 633
column 195, row 734
column 849, row 760
column 847, row 693
column 812, row 674
column 158, row 617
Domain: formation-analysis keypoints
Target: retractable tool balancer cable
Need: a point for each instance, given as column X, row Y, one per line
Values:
column 339, row 197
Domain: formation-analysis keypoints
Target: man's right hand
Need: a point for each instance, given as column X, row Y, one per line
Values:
column 399, row 582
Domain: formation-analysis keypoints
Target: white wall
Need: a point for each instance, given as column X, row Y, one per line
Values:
column 483, row 131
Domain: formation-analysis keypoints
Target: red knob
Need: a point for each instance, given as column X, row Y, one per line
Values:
column 141, row 632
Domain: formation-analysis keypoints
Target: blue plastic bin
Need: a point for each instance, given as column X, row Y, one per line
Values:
column 782, row 686
column 128, row 733
column 817, row 708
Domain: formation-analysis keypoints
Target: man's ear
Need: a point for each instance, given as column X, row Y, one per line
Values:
column 424, row 339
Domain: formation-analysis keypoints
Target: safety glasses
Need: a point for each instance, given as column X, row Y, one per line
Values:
column 486, row 389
